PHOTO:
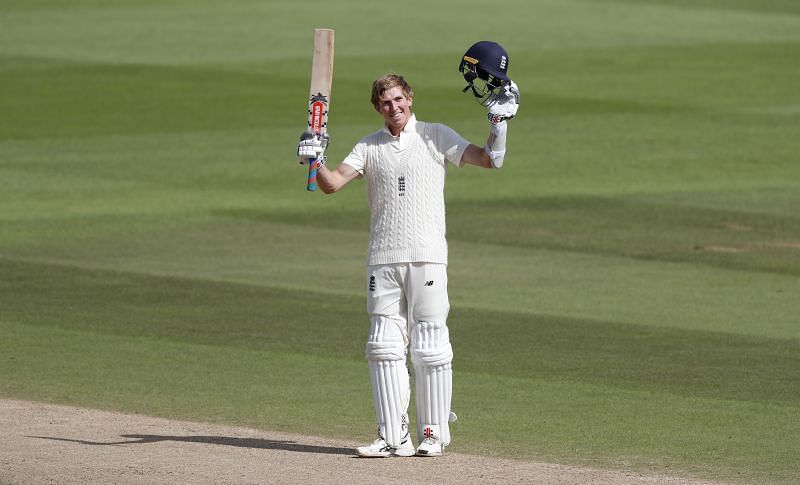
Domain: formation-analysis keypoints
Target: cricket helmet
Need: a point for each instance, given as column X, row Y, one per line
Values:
column 484, row 67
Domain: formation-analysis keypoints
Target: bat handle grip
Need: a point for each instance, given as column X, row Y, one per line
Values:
column 311, row 186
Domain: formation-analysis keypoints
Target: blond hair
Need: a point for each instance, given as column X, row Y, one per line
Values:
column 387, row 82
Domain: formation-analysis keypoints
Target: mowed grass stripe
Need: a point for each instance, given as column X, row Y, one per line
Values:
column 608, row 426
column 643, row 227
column 100, row 100
column 91, row 99
column 692, row 363
column 571, row 283
column 763, row 7
column 159, row 376
column 239, row 31
column 182, row 309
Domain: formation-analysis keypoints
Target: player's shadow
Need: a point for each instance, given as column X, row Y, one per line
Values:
column 258, row 443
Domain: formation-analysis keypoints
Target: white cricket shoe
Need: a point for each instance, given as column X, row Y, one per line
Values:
column 430, row 446
column 380, row 449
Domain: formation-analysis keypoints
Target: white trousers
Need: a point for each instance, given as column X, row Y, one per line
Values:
column 408, row 307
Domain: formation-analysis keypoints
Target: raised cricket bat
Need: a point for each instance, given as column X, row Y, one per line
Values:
column 320, row 93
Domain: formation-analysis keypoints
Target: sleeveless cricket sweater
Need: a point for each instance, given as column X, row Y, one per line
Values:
column 405, row 186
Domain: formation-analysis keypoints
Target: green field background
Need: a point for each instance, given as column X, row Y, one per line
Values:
column 625, row 292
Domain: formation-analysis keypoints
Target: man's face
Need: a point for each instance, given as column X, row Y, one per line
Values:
column 395, row 108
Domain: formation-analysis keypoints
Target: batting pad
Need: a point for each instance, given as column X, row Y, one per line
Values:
column 391, row 390
column 434, row 392
column 432, row 355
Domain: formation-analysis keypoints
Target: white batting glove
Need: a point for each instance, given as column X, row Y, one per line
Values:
column 312, row 147
column 503, row 105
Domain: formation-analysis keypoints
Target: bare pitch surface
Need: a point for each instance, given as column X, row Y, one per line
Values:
column 44, row 443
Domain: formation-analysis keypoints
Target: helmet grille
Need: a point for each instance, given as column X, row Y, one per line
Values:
column 481, row 82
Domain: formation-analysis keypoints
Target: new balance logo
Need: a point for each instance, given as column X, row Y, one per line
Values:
column 429, row 283
column 372, row 283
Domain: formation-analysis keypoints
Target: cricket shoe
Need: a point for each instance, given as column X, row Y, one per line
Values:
column 431, row 444
column 380, row 449
column 430, row 447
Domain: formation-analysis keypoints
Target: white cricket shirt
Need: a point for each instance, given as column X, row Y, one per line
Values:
column 405, row 185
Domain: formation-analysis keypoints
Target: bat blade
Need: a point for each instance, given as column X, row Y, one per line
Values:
column 320, row 93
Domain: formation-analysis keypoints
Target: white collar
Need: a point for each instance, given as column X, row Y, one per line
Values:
column 410, row 125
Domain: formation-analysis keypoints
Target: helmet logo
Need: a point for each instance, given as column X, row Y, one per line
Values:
column 503, row 62
column 471, row 60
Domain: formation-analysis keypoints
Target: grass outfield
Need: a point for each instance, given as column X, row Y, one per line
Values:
column 624, row 291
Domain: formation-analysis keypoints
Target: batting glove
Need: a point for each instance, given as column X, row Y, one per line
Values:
column 312, row 147
column 503, row 105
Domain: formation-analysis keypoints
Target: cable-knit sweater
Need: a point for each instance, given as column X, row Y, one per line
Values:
column 405, row 184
